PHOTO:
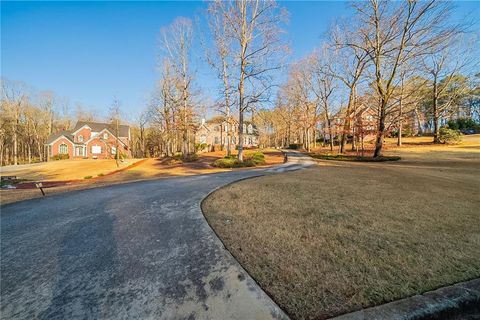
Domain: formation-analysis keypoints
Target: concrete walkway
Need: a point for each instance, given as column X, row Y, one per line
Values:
column 133, row 251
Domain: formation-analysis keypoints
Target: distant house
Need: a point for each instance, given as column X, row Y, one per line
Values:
column 363, row 123
column 215, row 133
column 90, row 140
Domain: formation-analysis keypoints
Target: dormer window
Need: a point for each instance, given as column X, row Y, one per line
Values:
column 105, row 136
column 80, row 138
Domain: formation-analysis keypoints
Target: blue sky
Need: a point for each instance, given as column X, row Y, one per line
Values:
column 90, row 52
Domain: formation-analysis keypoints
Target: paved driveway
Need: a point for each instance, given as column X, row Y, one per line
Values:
column 133, row 251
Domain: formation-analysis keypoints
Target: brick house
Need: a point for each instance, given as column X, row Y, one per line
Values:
column 90, row 140
column 216, row 132
column 363, row 123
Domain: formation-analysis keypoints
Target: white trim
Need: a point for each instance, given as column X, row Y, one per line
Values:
column 99, row 135
column 62, row 136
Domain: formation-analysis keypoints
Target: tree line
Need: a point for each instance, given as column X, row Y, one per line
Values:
column 403, row 59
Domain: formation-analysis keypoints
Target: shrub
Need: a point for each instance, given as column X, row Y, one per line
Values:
column 258, row 158
column 178, row 158
column 189, row 158
column 463, row 124
column 232, row 162
column 87, row 177
column 449, row 136
column 100, row 174
column 60, row 157
column 200, row 146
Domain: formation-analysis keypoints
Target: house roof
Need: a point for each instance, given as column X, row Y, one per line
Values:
column 98, row 126
column 95, row 126
column 66, row 133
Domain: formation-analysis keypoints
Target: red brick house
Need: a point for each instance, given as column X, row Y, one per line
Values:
column 92, row 140
column 363, row 123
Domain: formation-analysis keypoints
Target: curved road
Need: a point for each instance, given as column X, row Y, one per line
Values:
column 133, row 251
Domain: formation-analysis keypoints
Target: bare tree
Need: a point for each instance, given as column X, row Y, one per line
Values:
column 324, row 85
column 442, row 66
column 221, row 61
column 14, row 98
column 176, row 41
column 348, row 66
column 253, row 30
column 115, row 122
column 394, row 33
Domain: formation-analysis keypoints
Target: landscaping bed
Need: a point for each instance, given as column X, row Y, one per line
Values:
column 333, row 239
column 250, row 160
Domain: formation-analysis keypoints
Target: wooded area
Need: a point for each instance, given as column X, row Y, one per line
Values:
column 404, row 61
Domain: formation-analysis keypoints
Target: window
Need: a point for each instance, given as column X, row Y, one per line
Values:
column 63, row 149
column 96, row 149
column 250, row 129
column 217, row 140
column 114, row 150
column 203, row 138
column 80, row 138
column 233, row 140
column 244, row 129
column 105, row 136
column 369, row 118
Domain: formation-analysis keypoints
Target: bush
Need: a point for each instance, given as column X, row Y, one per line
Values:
column 449, row 136
column 100, row 174
column 463, row 124
column 60, row 157
column 87, row 177
column 178, row 158
column 200, row 146
column 232, row 162
column 252, row 160
column 258, row 158
column 295, row 146
column 191, row 157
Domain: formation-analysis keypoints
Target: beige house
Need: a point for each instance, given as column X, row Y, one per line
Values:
column 215, row 133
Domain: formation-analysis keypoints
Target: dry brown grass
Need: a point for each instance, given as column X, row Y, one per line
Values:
column 78, row 169
column 64, row 169
column 341, row 236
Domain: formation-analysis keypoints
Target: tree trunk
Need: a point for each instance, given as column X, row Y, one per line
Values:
column 346, row 123
column 400, row 124
column 436, row 114
column 15, row 142
column 381, row 131
column 330, row 134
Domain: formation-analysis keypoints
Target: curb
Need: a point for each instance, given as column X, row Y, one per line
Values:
column 445, row 303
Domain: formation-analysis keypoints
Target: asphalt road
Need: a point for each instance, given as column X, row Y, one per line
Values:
column 132, row 251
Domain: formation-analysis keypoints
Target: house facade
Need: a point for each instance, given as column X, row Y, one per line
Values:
column 216, row 133
column 363, row 123
column 92, row 140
